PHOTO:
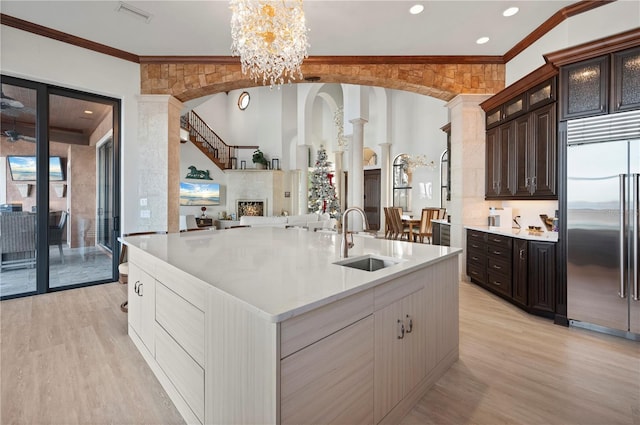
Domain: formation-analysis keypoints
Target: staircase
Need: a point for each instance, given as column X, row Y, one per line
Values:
column 209, row 143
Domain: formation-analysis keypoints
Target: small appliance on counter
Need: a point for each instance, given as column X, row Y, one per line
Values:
column 500, row 218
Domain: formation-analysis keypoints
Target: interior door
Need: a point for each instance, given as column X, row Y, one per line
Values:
column 372, row 198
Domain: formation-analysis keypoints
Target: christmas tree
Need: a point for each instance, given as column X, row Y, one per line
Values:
column 322, row 194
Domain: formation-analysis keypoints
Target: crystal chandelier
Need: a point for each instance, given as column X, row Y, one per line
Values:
column 270, row 37
column 411, row 162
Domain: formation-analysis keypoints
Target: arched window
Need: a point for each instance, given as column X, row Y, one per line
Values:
column 402, row 182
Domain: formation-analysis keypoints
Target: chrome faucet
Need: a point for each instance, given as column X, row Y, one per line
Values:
column 344, row 247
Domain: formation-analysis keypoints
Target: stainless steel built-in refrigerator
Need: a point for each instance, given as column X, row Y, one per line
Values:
column 603, row 186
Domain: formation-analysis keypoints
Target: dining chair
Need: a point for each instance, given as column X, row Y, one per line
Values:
column 399, row 229
column 426, row 226
column 389, row 232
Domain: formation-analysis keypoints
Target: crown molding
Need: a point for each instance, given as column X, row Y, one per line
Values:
column 555, row 20
column 66, row 38
column 333, row 60
column 604, row 46
column 530, row 80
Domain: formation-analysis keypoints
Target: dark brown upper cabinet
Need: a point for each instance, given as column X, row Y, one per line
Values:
column 602, row 85
column 522, row 148
column 584, row 88
column 626, row 80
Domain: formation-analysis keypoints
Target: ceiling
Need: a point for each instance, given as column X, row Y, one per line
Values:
column 337, row 27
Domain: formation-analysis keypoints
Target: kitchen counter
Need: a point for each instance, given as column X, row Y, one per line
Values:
column 518, row 233
column 441, row 221
column 281, row 273
column 258, row 325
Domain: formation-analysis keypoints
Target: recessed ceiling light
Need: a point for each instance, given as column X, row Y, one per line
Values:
column 88, row 112
column 510, row 11
column 416, row 8
column 482, row 40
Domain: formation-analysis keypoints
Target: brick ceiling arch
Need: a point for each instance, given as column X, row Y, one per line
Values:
column 187, row 81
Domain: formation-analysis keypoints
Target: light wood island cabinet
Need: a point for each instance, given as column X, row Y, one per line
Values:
column 223, row 361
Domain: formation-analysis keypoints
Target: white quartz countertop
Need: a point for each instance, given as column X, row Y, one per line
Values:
column 518, row 233
column 441, row 221
column 282, row 273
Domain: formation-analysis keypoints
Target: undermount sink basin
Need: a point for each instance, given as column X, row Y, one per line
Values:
column 369, row 263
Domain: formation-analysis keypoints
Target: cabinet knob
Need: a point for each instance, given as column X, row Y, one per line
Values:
column 400, row 329
column 522, row 254
column 139, row 292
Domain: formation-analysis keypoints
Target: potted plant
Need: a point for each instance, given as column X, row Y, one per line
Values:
column 259, row 159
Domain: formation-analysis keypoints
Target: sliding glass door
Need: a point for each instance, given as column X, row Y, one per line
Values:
column 74, row 148
column 18, row 200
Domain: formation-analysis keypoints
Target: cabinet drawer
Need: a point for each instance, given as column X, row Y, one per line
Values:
column 477, row 272
column 185, row 374
column 182, row 320
column 498, row 265
column 475, row 235
column 499, row 241
column 499, row 252
column 477, row 256
column 301, row 331
column 500, row 282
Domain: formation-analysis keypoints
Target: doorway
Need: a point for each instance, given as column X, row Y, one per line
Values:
column 59, row 155
column 372, row 198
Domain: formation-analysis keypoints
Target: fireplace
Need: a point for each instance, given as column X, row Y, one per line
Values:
column 254, row 207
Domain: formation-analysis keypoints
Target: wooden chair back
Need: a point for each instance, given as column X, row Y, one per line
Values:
column 396, row 220
column 426, row 226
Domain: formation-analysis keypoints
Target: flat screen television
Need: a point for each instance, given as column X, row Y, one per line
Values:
column 23, row 168
column 199, row 194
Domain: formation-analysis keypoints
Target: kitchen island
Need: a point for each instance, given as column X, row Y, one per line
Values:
column 259, row 325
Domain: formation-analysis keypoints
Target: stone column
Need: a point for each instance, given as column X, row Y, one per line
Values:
column 158, row 163
column 356, row 172
column 385, row 181
column 338, row 181
column 467, row 161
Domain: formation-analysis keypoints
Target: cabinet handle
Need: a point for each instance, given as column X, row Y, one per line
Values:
column 496, row 283
column 522, row 254
column 497, row 267
column 497, row 253
column 526, row 182
column 400, row 329
column 410, row 326
column 473, row 272
column 475, row 258
column 140, row 289
column 135, row 287
column 496, row 240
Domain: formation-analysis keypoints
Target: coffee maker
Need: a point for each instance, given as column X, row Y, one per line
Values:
column 500, row 218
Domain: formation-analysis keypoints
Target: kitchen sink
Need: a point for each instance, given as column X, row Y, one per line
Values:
column 369, row 263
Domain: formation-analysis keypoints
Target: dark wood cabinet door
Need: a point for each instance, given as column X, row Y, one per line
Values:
column 492, row 172
column 520, row 271
column 542, row 276
column 626, row 80
column 543, row 153
column 523, row 156
column 584, row 88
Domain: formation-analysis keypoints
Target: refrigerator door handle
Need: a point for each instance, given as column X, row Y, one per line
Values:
column 636, row 230
column 623, row 237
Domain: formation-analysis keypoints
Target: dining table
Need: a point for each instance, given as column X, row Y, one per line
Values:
column 411, row 222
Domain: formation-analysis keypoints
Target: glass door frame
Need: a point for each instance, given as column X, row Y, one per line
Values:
column 43, row 92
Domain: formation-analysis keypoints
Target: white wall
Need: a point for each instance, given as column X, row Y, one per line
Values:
column 613, row 18
column 23, row 56
column 415, row 130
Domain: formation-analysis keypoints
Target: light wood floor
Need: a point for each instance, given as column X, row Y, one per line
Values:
column 66, row 359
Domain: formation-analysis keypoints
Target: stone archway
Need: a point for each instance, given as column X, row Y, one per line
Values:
column 187, row 81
